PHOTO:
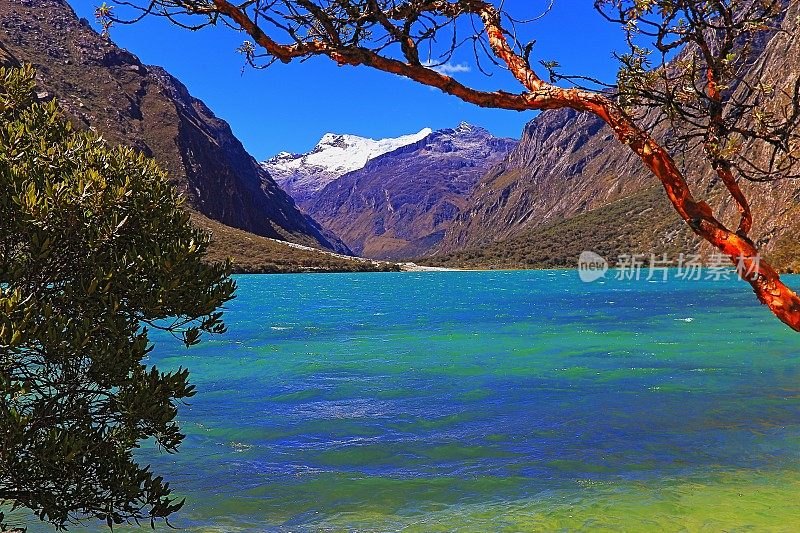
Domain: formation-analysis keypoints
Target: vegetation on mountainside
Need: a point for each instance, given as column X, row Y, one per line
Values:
column 95, row 251
column 558, row 244
column 786, row 254
column 253, row 254
column 650, row 227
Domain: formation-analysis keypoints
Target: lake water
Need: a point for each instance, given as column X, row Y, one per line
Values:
column 486, row 401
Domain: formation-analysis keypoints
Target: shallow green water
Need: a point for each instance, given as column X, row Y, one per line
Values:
column 489, row 401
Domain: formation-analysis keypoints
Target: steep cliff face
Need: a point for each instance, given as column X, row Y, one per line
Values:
column 400, row 203
column 568, row 163
column 565, row 163
column 104, row 87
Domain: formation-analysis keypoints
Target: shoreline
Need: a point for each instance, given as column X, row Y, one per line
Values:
column 364, row 265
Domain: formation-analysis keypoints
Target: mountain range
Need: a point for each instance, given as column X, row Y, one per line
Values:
column 454, row 197
column 399, row 204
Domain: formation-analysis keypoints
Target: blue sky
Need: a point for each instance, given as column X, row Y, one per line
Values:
column 289, row 107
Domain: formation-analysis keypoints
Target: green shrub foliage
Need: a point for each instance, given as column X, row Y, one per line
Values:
column 95, row 250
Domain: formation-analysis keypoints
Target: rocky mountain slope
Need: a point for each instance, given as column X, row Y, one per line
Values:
column 302, row 175
column 254, row 254
column 568, row 164
column 400, row 204
column 104, row 87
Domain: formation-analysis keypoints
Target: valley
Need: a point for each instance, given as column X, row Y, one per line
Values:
column 457, row 197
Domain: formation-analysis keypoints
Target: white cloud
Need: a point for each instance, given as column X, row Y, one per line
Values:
column 447, row 68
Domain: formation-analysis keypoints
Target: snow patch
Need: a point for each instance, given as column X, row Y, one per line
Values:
column 334, row 156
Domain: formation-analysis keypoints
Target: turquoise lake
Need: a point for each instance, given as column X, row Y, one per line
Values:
column 489, row 401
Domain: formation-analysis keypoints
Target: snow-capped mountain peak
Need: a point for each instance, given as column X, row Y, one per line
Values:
column 301, row 175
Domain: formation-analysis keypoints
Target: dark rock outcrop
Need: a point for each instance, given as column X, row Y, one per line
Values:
column 104, row 87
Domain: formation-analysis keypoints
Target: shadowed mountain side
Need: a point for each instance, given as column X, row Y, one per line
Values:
column 104, row 87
